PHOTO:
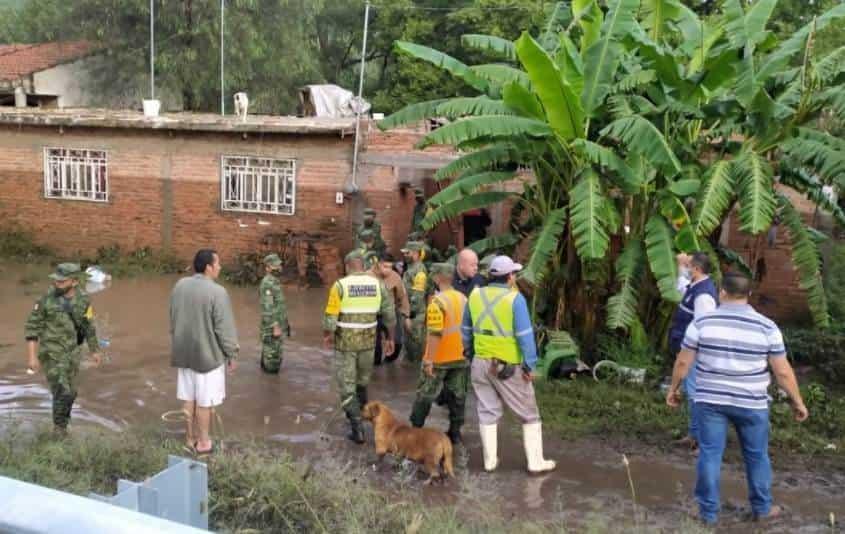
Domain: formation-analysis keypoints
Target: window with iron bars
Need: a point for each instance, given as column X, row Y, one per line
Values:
column 259, row 185
column 76, row 174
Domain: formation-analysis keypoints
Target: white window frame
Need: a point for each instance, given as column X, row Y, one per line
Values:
column 252, row 175
column 74, row 174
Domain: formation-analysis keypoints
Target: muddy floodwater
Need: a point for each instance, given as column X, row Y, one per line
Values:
column 298, row 411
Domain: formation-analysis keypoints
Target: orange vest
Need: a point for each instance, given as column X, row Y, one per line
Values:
column 450, row 305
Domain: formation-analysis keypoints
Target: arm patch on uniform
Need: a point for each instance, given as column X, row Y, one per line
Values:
column 419, row 282
column 333, row 305
column 89, row 313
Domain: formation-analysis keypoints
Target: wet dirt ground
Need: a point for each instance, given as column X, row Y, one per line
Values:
column 298, row 411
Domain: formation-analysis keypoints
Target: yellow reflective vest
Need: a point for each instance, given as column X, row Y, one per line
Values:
column 491, row 310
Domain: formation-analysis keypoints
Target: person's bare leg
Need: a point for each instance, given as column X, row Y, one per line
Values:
column 188, row 408
column 203, row 429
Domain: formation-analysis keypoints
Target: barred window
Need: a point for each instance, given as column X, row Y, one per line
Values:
column 260, row 185
column 77, row 174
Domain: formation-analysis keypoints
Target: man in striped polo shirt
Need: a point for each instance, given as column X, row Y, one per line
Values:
column 731, row 348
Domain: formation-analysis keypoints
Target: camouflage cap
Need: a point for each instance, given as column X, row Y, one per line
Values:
column 273, row 260
column 354, row 255
column 418, row 193
column 442, row 268
column 413, row 246
column 65, row 271
column 367, row 234
column 369, row 212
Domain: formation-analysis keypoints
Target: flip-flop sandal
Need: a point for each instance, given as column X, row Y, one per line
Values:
column 209, row 452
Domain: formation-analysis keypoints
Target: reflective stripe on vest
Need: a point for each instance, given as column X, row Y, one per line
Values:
column 491, row 309
column 361, row 294
column 450, row 347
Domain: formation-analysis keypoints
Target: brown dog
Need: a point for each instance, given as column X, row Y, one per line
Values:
column 424, row 445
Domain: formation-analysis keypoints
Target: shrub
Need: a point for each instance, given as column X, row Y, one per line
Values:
column 822, row 349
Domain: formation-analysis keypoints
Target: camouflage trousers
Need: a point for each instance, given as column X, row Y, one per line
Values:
column 61, row 371
column 452, row 377
column 271, row 353
column 352, row 370
column 415, row 340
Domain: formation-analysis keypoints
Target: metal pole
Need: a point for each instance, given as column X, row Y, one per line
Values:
column 360, row 100
column 222, row 82
column 152, row 52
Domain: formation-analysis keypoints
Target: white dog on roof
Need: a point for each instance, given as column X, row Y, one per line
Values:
column 241, row 105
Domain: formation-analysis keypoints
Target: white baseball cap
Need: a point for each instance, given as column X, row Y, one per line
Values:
column 503, row 265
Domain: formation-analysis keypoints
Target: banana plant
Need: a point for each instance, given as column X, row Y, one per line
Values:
column 643, row 127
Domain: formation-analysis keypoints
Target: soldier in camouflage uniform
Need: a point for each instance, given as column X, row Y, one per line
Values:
column 370, row 223
column 61, row 321
column 419, row 211
column 444, row 364
column 355, row 303
column 274, row 318
column 367, row 248
column 415, row 279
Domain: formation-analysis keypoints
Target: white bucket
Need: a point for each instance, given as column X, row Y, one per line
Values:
column 151, row 108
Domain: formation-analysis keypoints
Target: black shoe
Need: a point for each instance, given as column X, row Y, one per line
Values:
column 443, row 398
column 455, row 436
column 356, row 433
column 361, row 393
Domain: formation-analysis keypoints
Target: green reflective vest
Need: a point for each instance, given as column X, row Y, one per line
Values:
column 491, row 309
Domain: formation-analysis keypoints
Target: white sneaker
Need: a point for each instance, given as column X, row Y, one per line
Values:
column 532, row 435
column 489, row 444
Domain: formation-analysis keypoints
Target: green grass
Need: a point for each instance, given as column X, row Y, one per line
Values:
column 584, row 408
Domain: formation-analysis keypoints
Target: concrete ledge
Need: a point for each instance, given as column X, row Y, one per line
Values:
column 201, row 122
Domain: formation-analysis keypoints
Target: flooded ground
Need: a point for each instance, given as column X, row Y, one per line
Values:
column 297, row 410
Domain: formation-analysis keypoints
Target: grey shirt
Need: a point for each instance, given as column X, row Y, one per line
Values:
column 202, row 326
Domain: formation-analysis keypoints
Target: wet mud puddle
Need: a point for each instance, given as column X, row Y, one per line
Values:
column 297, row 410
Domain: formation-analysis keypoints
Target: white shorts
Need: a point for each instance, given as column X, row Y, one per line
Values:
column 206, row 389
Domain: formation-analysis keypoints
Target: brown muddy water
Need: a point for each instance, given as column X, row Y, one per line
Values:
column 298, row 411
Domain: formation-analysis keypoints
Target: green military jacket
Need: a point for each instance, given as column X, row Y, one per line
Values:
column 419, row 215
column 417, row 287
column 273, row 310
column 378, row 244
column 57, row 323
column 355, row 339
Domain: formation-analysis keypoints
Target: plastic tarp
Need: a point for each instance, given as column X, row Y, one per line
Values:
column 333, row 101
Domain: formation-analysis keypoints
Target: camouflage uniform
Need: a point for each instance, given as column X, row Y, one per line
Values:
column 61, row 325
column 354, row 347
column 367, row 248
column 416, row 283
column 419, row 211
column 374, row 226
column 273, row 313
column 452, row 377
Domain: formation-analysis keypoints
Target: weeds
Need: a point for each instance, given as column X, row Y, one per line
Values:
column 16, row 244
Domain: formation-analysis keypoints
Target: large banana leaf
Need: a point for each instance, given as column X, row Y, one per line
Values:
column 756, row 193
column 444, row 61
column 807, row 262
column 455, row 108
column 587, row 210
column 661, row 257
column 714, row 198
column 641, row 136
column 467, row 203
column 485, row 128
column 600, row 155
column 491, row 157
column 571, row 66
column 546, row 243
column 466, row 185
column 622, row 307
column 589, row 17
column 801, row 181
column 411, row 113
column 602, row 57
column 731, row 257
column 819, row 150
column 830, row 66
column 490, row 43
column 656, row 16
column 742, row 28
column 562, row 106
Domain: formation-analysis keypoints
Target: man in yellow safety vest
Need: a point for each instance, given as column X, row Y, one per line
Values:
column 498, row 334
column 355, row 303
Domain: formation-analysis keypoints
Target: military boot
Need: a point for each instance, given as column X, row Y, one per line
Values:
column 454, row 434
column 356, row 430
column 361, row 394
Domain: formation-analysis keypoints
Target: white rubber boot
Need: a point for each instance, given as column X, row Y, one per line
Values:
column 532, row 435
column 489, row 444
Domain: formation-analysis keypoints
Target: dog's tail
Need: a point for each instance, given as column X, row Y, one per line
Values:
column 447, row 458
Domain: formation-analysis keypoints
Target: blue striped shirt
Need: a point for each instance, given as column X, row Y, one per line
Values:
column 732, row 346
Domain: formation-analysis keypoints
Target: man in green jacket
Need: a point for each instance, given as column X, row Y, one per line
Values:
column 58, row 325
column 204, row 342
column 274, row 317
column 417, row 287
